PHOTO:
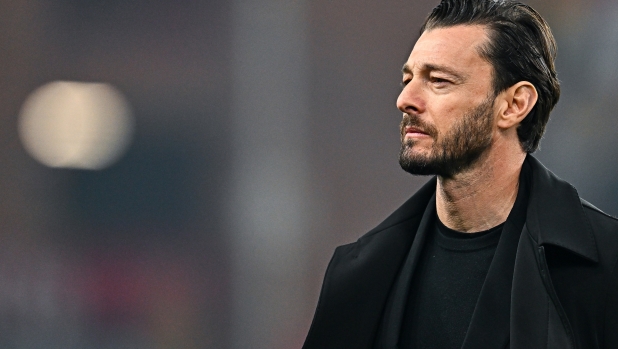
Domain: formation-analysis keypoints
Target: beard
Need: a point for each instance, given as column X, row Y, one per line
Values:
column 458, row 149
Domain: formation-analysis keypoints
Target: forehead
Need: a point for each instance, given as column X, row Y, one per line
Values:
column 455, row 47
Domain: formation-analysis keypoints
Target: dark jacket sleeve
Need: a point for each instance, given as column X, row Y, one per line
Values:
column 318, row 330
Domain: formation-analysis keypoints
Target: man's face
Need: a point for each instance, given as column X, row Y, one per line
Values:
column 447, row 101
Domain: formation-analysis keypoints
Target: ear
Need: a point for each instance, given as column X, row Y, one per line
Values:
column 518, row 101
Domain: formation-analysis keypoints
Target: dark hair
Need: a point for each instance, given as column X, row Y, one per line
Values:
column 521, row 47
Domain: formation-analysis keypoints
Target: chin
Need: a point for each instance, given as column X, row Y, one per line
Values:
column 416, row 162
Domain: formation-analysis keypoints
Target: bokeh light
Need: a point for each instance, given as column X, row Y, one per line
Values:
column 79, row 125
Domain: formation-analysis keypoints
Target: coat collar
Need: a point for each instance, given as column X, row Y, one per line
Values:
column 360, row 276
column 555, row 214
column 414, row 207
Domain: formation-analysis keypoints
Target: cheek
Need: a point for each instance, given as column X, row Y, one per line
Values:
column 445, row 114
column 446, row 110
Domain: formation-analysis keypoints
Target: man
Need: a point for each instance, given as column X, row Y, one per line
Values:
column 495, row 251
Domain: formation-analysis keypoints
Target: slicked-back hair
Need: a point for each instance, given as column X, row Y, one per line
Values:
column 521, row 47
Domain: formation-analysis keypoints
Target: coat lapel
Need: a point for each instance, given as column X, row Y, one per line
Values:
column 530, row 303
column 518, row 306
column 489, row 326
column 535, row 314
column 554, row 217
column 360, row 276
column 395, row 309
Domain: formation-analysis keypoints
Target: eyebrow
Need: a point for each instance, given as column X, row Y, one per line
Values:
column 434, row 67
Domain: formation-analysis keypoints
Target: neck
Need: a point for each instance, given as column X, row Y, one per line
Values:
column 481, row 197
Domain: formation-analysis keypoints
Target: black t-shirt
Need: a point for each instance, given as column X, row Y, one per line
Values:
column 446, row 286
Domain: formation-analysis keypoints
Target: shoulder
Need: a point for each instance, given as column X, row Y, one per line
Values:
column 595, row 212
column 605, row 230
column 603, row 224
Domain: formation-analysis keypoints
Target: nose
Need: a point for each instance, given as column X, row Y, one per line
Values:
column 411, row 99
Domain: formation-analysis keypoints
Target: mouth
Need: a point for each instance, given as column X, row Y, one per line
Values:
column 412, row 131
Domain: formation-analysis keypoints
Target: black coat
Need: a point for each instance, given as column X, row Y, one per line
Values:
column 563, row 290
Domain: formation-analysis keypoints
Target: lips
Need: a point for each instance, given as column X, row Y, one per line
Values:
column 414, row 130
column 412, row 126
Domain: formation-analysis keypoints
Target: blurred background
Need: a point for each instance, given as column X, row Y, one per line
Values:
column 178, row 174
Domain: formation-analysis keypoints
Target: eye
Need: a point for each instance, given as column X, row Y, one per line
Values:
column 439, row 82
column 405, row 82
